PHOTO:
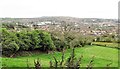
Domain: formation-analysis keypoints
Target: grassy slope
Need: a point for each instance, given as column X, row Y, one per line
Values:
column 103, row 56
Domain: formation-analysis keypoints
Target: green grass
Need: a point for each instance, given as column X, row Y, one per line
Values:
column 103, row 56
column 107, row 44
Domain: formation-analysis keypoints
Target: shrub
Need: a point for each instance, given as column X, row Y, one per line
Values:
column 26, row 40
column 10, row 49
column 47, row 43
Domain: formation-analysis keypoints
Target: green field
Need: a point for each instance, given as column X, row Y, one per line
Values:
column 103, row 56
column 106, row 44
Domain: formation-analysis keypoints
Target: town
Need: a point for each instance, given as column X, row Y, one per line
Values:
column 85, row 26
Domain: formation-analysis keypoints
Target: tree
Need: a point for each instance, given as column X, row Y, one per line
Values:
column 46, row 43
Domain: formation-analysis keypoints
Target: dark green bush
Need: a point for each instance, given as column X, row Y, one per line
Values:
column 25, row 40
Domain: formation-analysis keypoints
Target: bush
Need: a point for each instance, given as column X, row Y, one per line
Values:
column 59, row 41
column 108, row 38
column 47, row 43
column 9, row 45
column 10, row 49
column 26, row 40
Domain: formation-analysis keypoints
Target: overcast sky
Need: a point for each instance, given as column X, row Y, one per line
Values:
column 73, row 8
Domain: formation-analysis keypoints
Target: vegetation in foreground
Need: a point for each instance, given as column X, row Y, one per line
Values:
column 103, row 56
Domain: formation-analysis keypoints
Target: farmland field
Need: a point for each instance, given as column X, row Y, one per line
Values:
column 103, row 56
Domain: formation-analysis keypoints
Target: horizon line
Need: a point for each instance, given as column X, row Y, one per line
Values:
column 61, row 16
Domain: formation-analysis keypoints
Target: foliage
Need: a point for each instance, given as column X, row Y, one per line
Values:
column 9, row 43
column 8, row 25
column 37, row 64
column 68, row 40
column 10, row 48
column 47, row 43
column 28, row 40
column 108, row 38
column 21, row 41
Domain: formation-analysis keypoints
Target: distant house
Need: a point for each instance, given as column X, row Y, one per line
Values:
column 41, row 25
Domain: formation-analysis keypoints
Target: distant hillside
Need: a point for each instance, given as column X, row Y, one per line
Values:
column 57, row 19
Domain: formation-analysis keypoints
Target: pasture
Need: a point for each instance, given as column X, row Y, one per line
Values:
column 103, row 56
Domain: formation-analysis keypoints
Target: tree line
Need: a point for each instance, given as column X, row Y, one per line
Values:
column 13, row 42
